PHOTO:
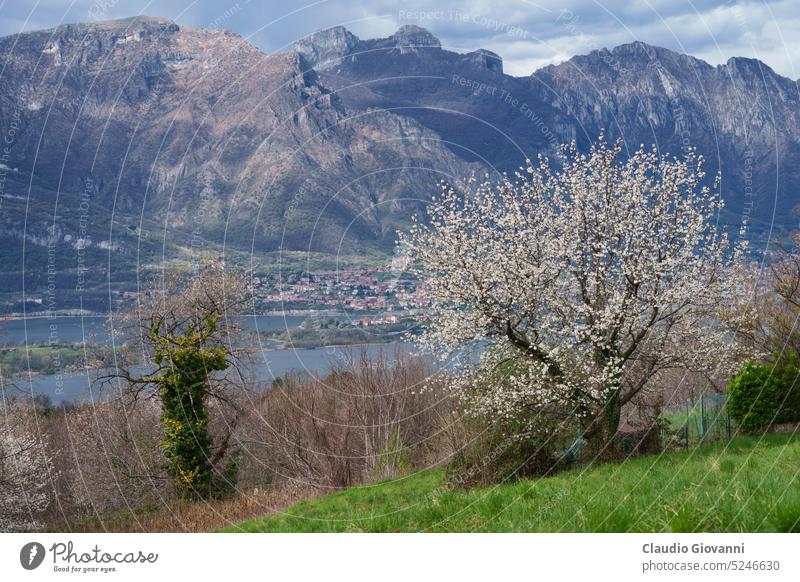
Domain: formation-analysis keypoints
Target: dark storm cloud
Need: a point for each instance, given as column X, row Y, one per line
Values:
column 527, row 33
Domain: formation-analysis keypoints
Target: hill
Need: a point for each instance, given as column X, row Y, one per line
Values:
column 750, row 485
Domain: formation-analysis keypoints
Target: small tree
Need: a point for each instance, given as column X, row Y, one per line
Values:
column 25, row 471
column 592, row 279
column 184, row 328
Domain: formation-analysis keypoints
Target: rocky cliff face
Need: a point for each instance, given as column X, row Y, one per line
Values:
column 152, row 138
column 482, row 115
column 742, row 116
column 327, row 47
column 199, row 139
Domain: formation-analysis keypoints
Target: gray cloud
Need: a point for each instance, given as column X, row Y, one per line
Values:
column 526, row 33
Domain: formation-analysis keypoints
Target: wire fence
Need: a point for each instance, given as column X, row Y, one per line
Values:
column 694, row 423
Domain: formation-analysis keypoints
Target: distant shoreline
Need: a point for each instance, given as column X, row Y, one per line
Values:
column 95, row 314
column 54, row 315
column 273, row 313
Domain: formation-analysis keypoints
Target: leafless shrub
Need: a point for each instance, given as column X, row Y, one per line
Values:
column 368, row 419
column 175, row 515
column 775, row 322
column 117, row 461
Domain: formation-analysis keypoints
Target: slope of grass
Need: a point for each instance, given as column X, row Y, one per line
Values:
column 749, row 484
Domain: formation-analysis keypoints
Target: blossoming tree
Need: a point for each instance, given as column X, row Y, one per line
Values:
column 576, row 285
column 25, row 471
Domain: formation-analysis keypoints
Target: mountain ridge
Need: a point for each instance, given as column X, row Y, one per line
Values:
column 402, row 32
column 742, row 115
column 186, row 141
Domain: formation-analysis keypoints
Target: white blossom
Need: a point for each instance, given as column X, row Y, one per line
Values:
column 586, row 281
column 25, row 471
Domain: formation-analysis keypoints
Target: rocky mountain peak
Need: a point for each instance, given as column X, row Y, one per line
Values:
column 635, row 48
column 134, row 22
column 635, row 64
column 639, row 55
column 134, row 25
column 327, row 47
column 486, row 59
column 411, row 36
column 747, row 67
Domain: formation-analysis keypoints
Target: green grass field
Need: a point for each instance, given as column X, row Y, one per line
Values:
column 751, row 484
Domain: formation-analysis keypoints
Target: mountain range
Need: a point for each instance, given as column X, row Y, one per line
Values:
column 128, row 142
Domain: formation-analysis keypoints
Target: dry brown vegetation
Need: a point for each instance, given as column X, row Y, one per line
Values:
column 370, row 418
column 186, row 516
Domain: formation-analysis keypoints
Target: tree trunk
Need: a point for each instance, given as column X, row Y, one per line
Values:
column 612, row 411
column 601, row 429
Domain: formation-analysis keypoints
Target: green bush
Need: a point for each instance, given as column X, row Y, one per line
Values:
column 765, row 394
column 506, row 448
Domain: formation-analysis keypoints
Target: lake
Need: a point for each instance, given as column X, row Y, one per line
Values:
column 75, row 386
column 93, row 328
column 82, row 386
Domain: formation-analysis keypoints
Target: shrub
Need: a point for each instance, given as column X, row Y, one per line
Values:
column 368, row 419
column 527, row 443
column 110, row 457
column 763, row 394
column 223, row 484
column 644, row 439
column 497, row 442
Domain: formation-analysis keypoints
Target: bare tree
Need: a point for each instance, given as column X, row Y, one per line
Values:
column 185, row 331
column 775, row 323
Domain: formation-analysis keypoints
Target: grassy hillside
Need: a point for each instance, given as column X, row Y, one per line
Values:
column 749, row 484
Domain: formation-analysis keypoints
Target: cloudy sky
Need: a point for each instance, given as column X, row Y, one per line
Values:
column 526, row 33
